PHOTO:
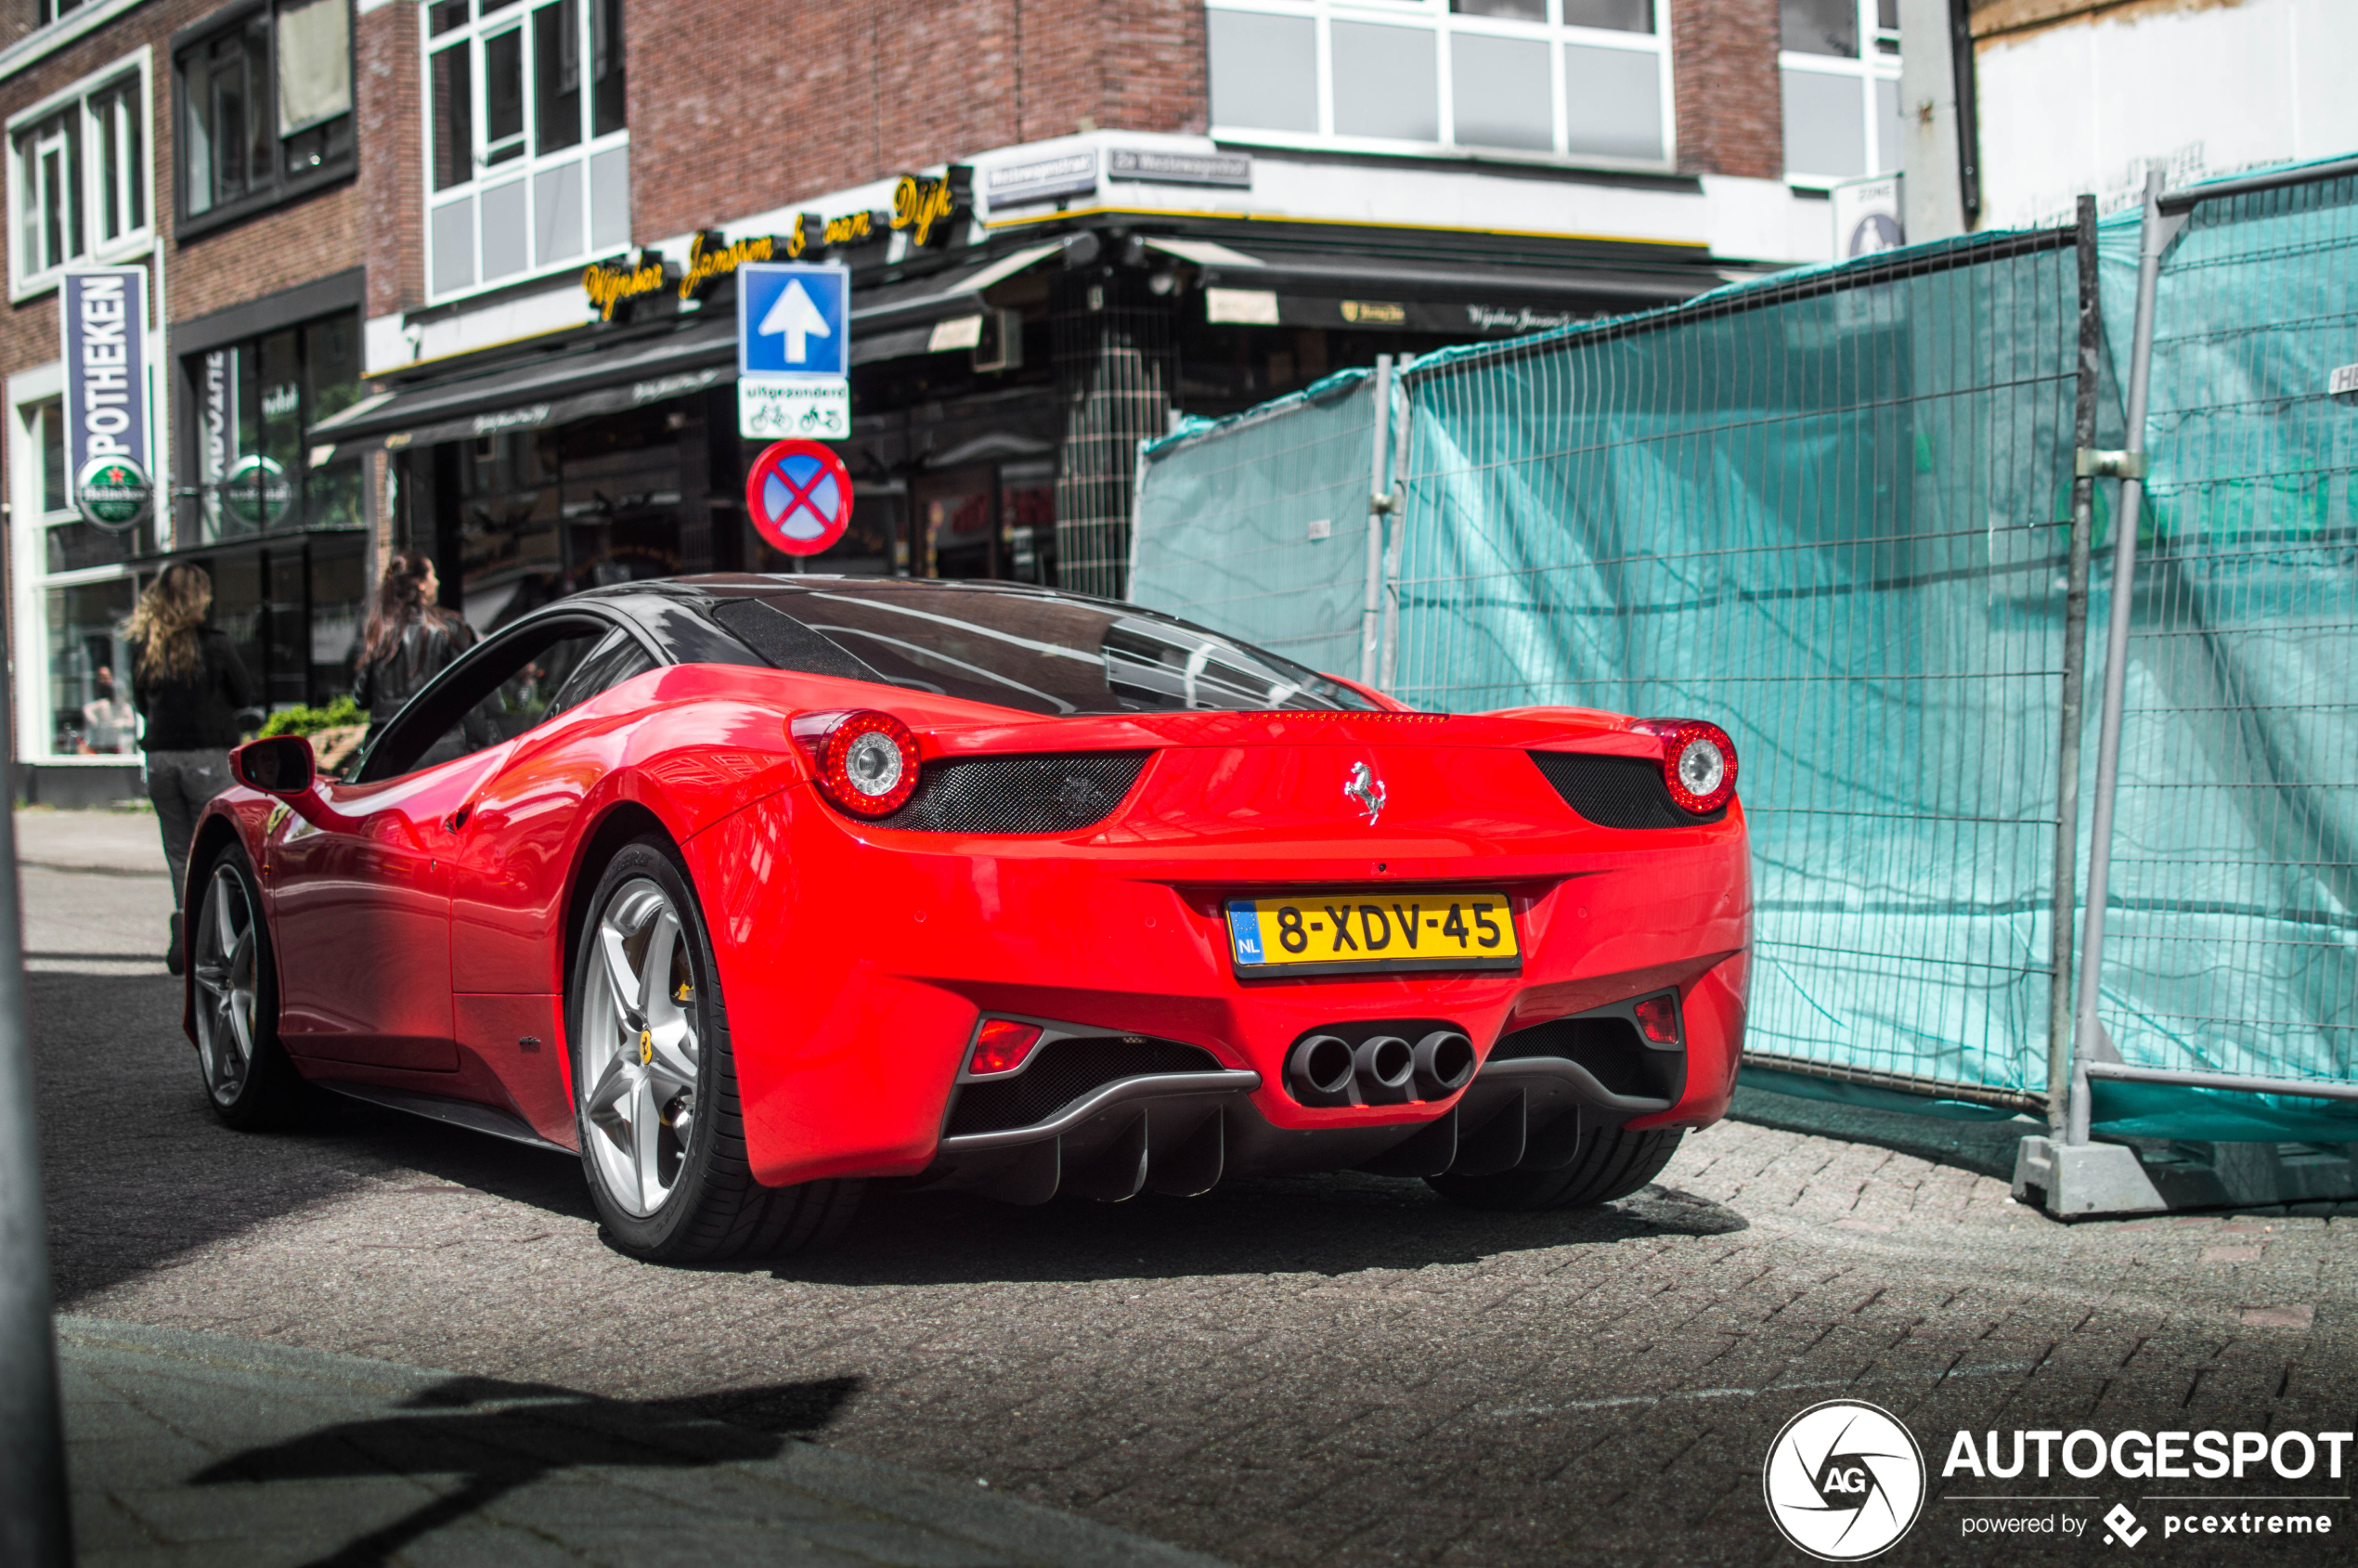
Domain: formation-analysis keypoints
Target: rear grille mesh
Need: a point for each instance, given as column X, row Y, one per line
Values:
column 1616, row 791
column 1054, row 793
column 1061, row 1073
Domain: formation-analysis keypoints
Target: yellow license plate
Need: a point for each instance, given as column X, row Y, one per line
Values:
column 1372, row 932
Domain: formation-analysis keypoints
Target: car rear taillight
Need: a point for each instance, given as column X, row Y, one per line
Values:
column 1001, row 1045
column 1658, row 1016
column 866, row 761
column 1698, row 763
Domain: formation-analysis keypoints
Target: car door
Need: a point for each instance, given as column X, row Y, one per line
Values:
column 509, row 863
column 507, row 879
column 360, row 890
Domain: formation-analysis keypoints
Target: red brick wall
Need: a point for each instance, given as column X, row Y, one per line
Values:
column 753, row 103
column 1729, row 102
column 392, row 157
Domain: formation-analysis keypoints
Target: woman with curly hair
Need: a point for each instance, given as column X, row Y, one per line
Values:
column 189, row 683
column 406, row 641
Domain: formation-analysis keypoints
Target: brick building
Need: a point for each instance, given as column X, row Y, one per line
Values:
column 381, row 238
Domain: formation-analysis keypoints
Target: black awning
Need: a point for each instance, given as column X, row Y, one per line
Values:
column 597, row 376
column 1356, row 289
column 591, row 378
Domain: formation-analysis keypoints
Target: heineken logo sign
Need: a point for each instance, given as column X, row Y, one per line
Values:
column 113, row 493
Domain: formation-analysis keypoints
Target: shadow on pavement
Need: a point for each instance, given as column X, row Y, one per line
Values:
column 137, row 1170
column 1983, row 1147
column 1333, row 1225
column 500, row 1436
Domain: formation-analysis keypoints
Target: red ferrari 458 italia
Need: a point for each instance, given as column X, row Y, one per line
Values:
column 748, row 890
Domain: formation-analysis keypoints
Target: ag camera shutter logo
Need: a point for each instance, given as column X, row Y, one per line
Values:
column 1844, row 1481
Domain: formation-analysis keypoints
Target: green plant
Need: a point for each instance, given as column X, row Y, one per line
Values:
column 311, row 720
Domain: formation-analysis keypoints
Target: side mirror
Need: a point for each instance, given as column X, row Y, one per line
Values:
column 277, row 765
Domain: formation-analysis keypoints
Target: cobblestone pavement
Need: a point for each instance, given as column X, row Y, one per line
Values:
column 1341, row 1370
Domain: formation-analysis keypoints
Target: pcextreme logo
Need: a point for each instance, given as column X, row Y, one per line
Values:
column 1844, row 1481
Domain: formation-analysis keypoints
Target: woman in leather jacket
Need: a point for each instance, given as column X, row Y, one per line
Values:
column 406, row 641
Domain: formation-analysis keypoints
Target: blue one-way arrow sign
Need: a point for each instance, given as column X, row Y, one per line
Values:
column 793, row 320
column 797, row 320
column 794, row 347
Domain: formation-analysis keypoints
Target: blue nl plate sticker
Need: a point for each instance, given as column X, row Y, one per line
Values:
column 1244, row 931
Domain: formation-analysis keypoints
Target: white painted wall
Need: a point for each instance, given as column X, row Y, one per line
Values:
column 2200, row 89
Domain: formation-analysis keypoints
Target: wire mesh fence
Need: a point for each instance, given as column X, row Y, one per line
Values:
column 1825, row 515
column 2231, row 941
column 1259, row 524
column 1831, row 513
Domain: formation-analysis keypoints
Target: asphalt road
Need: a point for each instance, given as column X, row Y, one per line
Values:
column 1340, row 1369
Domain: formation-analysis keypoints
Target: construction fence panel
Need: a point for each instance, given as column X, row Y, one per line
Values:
column 1257, row 525
column 2231, row 919
column 1829, row 513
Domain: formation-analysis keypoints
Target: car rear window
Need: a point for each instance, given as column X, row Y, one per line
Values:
column 1031, row 650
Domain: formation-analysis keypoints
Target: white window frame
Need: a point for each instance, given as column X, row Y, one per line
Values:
column 31, row 579
column 1868, row 67
column 1446, row 24
column 516, row 14
column 24, row 283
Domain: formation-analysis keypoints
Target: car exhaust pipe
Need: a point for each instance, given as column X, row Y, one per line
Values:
column 1386, row 1064
column 1443, row 1064
column 1319, row 1071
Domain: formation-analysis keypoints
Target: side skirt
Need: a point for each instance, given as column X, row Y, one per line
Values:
column 472, row 1115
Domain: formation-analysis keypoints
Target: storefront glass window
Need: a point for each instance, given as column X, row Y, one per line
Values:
column 339, row 602
column 512, row 550
column 243, row 445
column 525, row 135
column 89, row 675
column 1577, row 79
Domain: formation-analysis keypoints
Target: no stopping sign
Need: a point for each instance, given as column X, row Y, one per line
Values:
column 798, row 495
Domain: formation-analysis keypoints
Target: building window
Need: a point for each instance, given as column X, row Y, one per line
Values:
column 1577, row 79
column 245, row 408
column 50, row 10
column 78, row 177
column 265, row 107
column 1841, row 71
column 527, row 157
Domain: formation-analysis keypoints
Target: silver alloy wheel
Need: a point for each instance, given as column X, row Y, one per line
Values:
column 225, row 977
column 640, row 1051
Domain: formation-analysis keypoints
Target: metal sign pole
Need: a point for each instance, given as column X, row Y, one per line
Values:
column 36, row 1528
column 2075, row 675
column 2130, row 465
column 1378, row 504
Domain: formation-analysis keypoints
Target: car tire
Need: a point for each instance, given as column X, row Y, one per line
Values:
column 654, row 1080
column 1614, row 1162
column 233, row 982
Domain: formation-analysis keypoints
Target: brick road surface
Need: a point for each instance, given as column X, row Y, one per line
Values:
column 1341, row 1369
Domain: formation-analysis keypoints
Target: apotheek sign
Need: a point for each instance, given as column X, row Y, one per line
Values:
column 102, row 315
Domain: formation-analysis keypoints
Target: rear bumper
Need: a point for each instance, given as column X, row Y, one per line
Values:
column 855, row 964
column 1183, row 1133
